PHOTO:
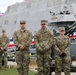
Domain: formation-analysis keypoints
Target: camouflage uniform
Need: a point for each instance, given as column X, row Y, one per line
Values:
column 4, row 41
column 43, row 43
column 62, row 55
column 22, row 37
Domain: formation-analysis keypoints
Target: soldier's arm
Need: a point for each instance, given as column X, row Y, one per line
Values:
column 7, row 43
column 50, row 43
column 68, row 45
column 0, row 42
column 51, row 39
column 36, row 42
column 56, row 48
column 27, row 44
column 15, row 39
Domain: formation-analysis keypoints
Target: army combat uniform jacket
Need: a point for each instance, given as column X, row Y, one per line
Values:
column 4, row 42
column 62, row 45
column 22, row 37
column 43, row 40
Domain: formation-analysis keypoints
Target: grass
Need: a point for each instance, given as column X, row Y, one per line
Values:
column 13, row 72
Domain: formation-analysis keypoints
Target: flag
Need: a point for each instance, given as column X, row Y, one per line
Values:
column 32, row 43
column 11, row 44
column 74, row 35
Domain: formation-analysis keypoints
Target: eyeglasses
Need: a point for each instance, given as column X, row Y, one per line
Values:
column 22, row 23
column 62, row 30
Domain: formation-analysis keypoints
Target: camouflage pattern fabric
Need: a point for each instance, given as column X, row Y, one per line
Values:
column 62, row 46
column 43, row 43
column 4, row 41
column 0, row 61
column 24, row 38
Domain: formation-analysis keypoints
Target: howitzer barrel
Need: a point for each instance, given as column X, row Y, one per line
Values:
column 71, row 29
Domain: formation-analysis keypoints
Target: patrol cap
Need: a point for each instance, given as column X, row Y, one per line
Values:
column 3, row 30
column 44, row 22
column 62, row 28
column 22, row 22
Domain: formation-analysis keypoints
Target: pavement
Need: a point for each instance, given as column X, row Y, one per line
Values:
column 12, row 63
column 63, row 73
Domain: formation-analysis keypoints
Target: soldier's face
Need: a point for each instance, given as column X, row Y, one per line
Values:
column 62, row 32
column 23, row 26
column 43, row 26
column 3, row 33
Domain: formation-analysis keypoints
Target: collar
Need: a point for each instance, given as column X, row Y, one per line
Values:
column 3, row 35
column 22, row 30
column 43, row 30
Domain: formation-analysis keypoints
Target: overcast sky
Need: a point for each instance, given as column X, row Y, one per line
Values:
column 5, row 3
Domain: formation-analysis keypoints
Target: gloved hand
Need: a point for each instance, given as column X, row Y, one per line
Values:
column 62, row 55
column 4, row 49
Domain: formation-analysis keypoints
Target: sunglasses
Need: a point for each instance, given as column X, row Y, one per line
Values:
column 43, row 24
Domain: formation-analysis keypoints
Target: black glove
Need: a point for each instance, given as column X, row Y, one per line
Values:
column 63, row 55
column 4, row 49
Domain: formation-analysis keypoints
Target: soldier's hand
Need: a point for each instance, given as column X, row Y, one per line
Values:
column 41, row 50
column 2, row 48
column 21, row 47
column 62, row 55
column 47, row 48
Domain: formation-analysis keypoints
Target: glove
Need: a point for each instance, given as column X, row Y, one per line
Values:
column 62, row 55
column 4, row 49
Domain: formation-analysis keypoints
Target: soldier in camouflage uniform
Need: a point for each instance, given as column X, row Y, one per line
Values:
column 62, row 53
column 4, row 41
column 22, row 39
column 43, row 43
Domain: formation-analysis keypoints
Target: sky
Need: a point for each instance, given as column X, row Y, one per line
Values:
column 5, row 3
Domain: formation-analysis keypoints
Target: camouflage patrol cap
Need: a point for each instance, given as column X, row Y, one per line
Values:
column 3, row 30
column 44, row 21
column 22, row 22
column 62, row 28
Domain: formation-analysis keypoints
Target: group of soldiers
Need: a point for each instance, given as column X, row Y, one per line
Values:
column 44, row 40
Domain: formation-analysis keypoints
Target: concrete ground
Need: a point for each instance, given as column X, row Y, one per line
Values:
column 63, row 73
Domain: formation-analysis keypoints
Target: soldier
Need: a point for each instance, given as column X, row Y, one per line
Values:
column 22, row 39
column 62, row 53
column 43, row 43
column 4, row 41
